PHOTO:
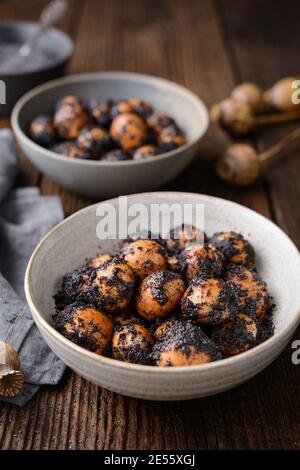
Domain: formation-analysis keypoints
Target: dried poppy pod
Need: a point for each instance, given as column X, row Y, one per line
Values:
column 141, row 107
column 145, row 153
column 280, row 95
column 132, row 343
column 129, row 131
column 158, row 294
column 171, row 135
column 235, row 336
column 69, row 117
column 234, row 247
column 93, row 140
column 86, row 326
column 144, row 257
column 249, row 93
column 201, row 260
column 159, row 121
column 112, row 287
column 207, row 301
column 241, row 165
column 250, row 291
column 184, row 344
column 234, row 116
column 11, row 378
column 42, row 130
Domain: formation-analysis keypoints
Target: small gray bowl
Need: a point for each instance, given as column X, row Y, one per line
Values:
column 19, row 82
column 102, row 179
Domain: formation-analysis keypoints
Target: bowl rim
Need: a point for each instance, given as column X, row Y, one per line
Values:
column 157, row 81
column 61, row 35
column 135, row 368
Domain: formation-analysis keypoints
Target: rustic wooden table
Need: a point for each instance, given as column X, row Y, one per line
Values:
column 208, row 46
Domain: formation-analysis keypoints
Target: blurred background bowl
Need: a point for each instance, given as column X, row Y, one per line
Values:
column 101, row 179
column 53, row 41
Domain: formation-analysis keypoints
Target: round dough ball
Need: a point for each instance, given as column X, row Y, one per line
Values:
column 101, row 112
column 77, row 283
column 129, row 130
column 93, row 140
column 122, row 106
column 159, row 121
column 163, row 327
column 184, row 344
column 171, row 135
column 201, row 260
column 113, row 286
column 158, row 294
column 234, row 247
column 132, row 343
column 99, row 260
column 69, row 117
column 207, row 301
column 70, row 149
column 145, row 153
column 251, row 292
column 42, row 130
column 85, row 326
column 145, row 257
column 236, row 336
column 181, row 237
column 141, row 107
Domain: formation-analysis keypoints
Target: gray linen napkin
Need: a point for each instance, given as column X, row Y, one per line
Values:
column 25, row 217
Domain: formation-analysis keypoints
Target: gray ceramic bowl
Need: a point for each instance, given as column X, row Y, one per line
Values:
column 104, row 179
column 68, row 245
column 17, row 83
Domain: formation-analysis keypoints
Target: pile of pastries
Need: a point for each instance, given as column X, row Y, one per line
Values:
column 183, row 301
column 106, row 130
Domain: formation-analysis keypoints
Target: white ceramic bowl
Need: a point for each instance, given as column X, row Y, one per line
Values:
column 106, row 179
column 68, row 245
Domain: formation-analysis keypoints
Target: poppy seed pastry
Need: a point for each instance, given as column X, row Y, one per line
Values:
column 184, row 344
column 93, row 140
column 145, row 257
column 129, row 131
column 69, row 117
column 86, row 326
column 234, row 247
column 171, row 135
column 208, row 301
column 42, row 130
column 113, row 285
column 158, row 294
column 201, row 260
column 132, row 343
column 236, row 336
column 251, row 292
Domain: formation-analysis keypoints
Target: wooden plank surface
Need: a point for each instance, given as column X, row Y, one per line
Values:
column 208, row 47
